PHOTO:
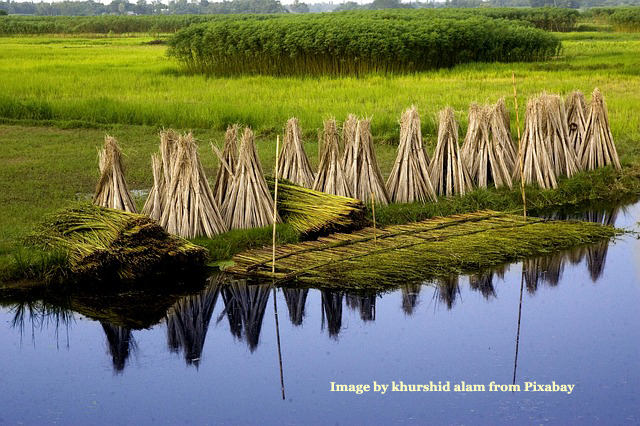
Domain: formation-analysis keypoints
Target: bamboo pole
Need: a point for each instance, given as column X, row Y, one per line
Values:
column 373, row 209
column 520, row 153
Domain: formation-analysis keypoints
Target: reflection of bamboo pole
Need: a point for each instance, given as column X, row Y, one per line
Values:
column 520, row 153
column 275, row 210
column 275, row 311
column 515, row 362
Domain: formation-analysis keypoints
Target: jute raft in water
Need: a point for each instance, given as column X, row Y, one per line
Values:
column 415, row 251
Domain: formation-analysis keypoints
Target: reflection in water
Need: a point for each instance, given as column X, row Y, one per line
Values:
column 595, row 254
column 188, row 318
column 366, row 305
column 245, row 306
column 332, row 311
column 596, row 257
column 447, row 290
column 296, row 300
column 120, row 343
column 188, row 321
column 41, row 315
column 546, row 269
column 410, row 297
column 483, row 282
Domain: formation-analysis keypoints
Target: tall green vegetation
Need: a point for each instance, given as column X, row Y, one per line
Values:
column 547, row 18
column 355, row 44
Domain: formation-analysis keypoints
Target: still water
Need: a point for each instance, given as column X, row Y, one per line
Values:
column 213, row 356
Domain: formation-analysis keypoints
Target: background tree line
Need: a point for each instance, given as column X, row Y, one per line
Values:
column 195, row 7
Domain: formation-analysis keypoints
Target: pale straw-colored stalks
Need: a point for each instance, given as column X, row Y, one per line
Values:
column 293, row 163
column 249, row 203
column 576, row 107
column 409, row 180
column 448, row 171
column 536, row 160
column 331, row 176
column 112, row 190
column 598, row 149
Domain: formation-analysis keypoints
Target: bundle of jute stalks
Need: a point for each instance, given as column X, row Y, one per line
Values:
column 293, row 163
column 536, row 160
column 112, row 190
column 248, row 203
column 598, row 149
column 190, row 209
column 485, row 156
column 331, row 177
column 448, row 171
column 409, row 180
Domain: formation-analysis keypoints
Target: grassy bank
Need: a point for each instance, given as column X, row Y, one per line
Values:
column 105, row 81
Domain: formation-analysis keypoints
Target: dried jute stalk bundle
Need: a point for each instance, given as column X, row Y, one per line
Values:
column 161, row 167
column 112, row 190
column 576, row 107
column 598, row 149
column 500, row 129
column 448, row 171
column 535, row 158
column 228, row 160
column 190, row 210
column 409, row 180
column 349, row 139
column 331, row 177
column 485, row 155
column 563, row 157
column 293, row 163
column 366, row 178
column 249, row 203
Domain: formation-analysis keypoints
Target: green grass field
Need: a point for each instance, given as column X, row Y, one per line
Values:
column 60, row 95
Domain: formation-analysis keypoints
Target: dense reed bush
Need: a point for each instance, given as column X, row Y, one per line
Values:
column 626, row 19
column 354, row 44
column 547, row 18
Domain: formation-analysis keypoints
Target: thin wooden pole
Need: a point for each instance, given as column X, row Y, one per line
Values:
column 373, row 209
column 275, row 212
column 275, row 310
column 520, row 153
column 515, row 362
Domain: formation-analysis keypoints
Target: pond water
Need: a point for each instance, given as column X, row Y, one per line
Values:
column 213, row 357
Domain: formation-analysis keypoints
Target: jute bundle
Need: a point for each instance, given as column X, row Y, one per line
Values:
column 249, row 203
column 448, row 171
column 112, row 190
column 367, row 178
column 190, row 209
column 598, row 149
column 563, row 157
column 154, row 205
column 576, row 107
column 349, row 129
column 224, row 175
column 535, row 158
column 331, row 176
column 485, row 155
column 500, row 129
column 161, row 167
column 293, row 163
column 409, row 180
